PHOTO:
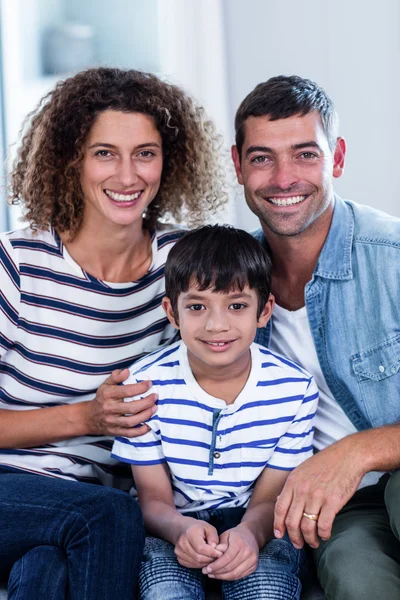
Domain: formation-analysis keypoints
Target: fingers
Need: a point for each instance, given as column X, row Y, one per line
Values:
column 193, row 563
column 309, row 528
column 192, row 549
column 211, row 537
column 242, row 569
column 131, row 432
column 282, row 505
column 120, row 392
column 224, row 563
column 238, row 561
column 200, row 546
column 117, row 377
column 294, row 520
column 325, row 521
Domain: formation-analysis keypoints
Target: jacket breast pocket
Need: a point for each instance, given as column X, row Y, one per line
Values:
column 377, row 370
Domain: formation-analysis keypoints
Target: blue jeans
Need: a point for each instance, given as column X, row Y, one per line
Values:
column 62, row 537
column 276, row 578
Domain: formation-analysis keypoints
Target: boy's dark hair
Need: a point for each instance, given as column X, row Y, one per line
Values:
column 282, row 97
column 219, row 257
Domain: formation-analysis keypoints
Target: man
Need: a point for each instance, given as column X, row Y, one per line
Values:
column 336, row 280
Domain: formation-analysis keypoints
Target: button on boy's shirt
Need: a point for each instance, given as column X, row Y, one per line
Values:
column 215, row 451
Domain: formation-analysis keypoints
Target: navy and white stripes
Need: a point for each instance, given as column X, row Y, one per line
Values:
column 62, row 332
column 214, row 451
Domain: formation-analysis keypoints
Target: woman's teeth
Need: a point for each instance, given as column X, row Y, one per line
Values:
column 287, row 201
column 122, row 197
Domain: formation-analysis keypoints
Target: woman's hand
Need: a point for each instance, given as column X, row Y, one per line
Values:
column 108, row 414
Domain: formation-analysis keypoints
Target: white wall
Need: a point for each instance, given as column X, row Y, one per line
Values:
column 349, row 47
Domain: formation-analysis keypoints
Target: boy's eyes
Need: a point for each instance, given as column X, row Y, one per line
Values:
column 196, row 307
column 237, row 306
column 233, row 306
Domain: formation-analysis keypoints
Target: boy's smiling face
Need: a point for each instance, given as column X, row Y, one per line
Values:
column 218, row 327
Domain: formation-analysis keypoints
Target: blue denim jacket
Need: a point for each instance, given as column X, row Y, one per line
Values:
column 353, row 307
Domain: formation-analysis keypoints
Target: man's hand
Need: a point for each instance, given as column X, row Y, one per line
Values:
column 239, row 558
column 107, row 413
column 196, row 546
column 319, row 486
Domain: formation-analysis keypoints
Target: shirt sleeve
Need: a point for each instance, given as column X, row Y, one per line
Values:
column 10, row 296
column 145, row 449
column 295, row 446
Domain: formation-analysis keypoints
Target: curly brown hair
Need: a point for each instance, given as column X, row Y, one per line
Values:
column 46, row 174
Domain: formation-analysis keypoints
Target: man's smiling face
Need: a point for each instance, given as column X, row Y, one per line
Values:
column 286, row 167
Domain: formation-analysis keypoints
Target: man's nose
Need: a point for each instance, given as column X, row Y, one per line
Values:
column 284, row 175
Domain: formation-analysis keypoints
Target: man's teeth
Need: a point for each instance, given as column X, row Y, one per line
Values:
column 122, row 197
column 287, row 201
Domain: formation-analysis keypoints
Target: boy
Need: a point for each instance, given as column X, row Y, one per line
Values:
column 233, row 420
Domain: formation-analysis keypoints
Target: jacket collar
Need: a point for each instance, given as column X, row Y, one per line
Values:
column 335, row 259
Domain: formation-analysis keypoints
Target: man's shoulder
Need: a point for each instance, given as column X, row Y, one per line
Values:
column 374, row 226
column 259, row 235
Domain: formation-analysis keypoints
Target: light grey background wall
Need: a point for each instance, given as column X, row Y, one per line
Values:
column 352, row 49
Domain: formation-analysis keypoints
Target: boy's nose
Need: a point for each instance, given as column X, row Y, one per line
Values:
column 217, row 322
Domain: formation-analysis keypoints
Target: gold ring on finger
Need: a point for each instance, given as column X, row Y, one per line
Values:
column 310, row 516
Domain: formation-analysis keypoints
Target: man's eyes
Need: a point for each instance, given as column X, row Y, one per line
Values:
column 308, row 155
column 259, row 160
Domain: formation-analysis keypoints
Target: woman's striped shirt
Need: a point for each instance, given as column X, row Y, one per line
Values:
column 215, row 451
column 62, row 332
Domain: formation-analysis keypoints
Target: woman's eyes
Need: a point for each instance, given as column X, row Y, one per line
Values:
column 146, row 153
column 141, row 154
column 103, row 153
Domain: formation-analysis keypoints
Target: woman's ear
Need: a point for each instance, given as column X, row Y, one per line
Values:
column 167, row 306
column 266, row 312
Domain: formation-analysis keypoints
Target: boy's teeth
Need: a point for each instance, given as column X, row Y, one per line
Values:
column 217, row 343
column 287, row 201
column 122, row 197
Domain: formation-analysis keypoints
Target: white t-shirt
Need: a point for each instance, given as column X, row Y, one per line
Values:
column 291, row 336
column 215, row 451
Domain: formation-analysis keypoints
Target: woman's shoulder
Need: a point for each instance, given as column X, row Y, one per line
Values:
column 168, row 234
column 27, row 235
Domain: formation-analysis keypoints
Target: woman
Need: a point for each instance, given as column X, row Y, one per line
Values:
column 107, row 154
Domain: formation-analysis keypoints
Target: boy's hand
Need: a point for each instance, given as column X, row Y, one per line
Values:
column 196, row 546
column 240, row 555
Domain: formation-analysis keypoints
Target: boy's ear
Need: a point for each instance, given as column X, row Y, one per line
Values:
column 266, row 312
column 167, row 306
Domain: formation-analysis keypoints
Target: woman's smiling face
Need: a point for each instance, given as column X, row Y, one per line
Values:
column 121, row 168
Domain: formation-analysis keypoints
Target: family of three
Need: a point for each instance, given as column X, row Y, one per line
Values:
column 215, row 424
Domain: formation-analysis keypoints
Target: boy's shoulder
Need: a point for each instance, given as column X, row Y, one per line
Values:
column 284, row 367
column 165, row 359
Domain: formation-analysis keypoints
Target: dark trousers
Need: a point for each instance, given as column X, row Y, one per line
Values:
column 361, row 560
column 59, row 537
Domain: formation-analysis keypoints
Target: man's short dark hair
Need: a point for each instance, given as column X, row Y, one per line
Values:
column 282, row 97
column 221, row 258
